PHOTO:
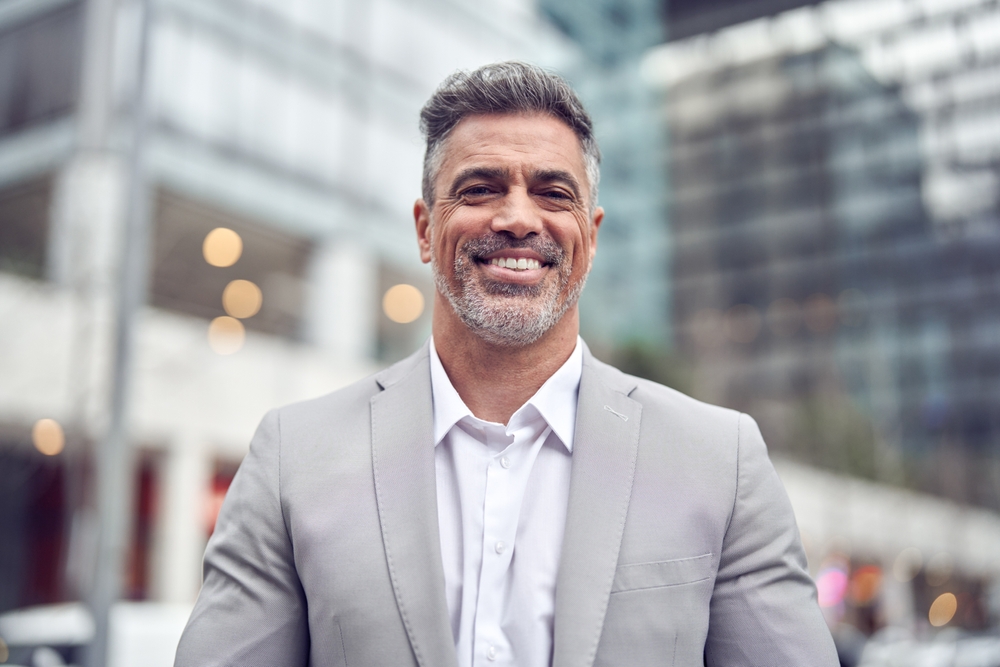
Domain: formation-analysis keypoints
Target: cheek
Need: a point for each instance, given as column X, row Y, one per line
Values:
column 439, row 232
column 583, row 246
column 445, row 249
column 453, row 230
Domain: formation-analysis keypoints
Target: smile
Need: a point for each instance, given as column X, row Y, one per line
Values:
column 518, row 264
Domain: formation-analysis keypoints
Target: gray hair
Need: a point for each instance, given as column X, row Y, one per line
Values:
column 504, row 88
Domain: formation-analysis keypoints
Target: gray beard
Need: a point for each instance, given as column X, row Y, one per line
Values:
column 508, row 314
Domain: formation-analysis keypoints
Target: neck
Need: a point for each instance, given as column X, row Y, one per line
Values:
column 496, row 380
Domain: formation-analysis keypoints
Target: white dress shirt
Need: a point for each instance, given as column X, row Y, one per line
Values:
column 502, row 495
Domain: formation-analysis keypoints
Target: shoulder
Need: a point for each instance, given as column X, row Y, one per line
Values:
column 347, row 408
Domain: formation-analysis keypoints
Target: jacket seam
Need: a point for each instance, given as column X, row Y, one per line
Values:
column 343, row 649
column 281, row 502
column 736, row 493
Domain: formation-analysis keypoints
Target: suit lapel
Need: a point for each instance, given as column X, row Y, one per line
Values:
column 405, row 488
column 604, row 455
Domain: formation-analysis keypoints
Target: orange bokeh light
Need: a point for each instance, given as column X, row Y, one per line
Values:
column 866, row 582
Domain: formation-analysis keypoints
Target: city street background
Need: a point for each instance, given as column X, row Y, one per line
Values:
column 205, row 212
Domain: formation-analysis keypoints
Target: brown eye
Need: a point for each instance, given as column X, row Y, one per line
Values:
column 558, row 196
column 477, row 191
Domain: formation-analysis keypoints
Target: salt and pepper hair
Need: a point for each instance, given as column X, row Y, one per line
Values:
column 504, row 88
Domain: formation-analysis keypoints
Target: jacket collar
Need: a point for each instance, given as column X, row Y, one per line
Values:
column 604, row 455
column 406, row 495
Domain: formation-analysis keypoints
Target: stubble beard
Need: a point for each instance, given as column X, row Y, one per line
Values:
column 508, row 314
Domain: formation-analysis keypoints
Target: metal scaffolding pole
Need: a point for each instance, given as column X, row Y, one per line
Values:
column 114, row 469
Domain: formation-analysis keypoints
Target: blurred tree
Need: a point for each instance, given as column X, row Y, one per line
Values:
column 830, row 430
column 653, row 362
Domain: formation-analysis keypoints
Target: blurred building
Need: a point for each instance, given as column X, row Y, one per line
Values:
column 800, row 240
column 291, row 124
column 802, row 204
column 835, row 226
column 829, row 242
column 627, row 300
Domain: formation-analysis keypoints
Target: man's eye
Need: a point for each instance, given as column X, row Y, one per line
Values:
column 557, row 194
column 477, row 191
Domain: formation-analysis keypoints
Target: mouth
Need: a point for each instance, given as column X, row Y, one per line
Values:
column 514, row 266
column 504, row 260
column 515, row 263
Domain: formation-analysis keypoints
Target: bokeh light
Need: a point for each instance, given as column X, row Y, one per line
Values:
column 866, row 582
column 943, row 609
column 820, row 313
column 48, row 437
column 226, row 335
column 707, row 328
column 403, row 303
column 783, row 317
column 742, row 323
column 222, row 247
column 907, row 564
column 939, row 569
column 242, row 299
column 831, row 586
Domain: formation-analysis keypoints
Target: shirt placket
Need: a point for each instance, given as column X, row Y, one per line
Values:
column 506, row 478
column 499, row 530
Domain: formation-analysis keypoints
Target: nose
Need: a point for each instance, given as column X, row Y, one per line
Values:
column 518, row 215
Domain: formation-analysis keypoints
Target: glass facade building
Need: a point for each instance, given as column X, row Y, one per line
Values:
column 836, row 240
column 834, row 217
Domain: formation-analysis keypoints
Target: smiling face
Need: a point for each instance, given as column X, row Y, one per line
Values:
column 510, row 236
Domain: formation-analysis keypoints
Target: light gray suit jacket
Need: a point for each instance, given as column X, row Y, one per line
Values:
column 680, row 545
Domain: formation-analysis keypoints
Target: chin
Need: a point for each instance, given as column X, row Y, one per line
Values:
column 504, row 313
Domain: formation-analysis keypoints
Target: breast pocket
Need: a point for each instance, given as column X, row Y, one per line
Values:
column 662, row 573
column 657, row 614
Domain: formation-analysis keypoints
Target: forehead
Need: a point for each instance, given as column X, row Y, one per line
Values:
column 519, row 142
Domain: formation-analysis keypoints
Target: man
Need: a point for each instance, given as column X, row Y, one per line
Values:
column 502, row 497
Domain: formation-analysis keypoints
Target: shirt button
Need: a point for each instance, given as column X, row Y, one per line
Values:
column 505, row 462
column 491, row 653
column 500, row 546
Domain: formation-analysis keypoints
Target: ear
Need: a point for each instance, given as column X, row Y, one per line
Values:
column 595, row 223
column 422, row 218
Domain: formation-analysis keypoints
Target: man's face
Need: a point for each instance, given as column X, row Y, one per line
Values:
column 510, row 236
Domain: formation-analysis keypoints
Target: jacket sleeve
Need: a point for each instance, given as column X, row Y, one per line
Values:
column 763, row 609
column 251, row 609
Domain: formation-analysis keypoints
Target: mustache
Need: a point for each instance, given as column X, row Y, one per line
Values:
column 478, row 248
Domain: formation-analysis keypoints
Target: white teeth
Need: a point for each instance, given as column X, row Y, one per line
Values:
column 521, row 264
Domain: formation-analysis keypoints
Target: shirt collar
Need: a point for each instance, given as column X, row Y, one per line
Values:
column 555, row 400
column 449, row 408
